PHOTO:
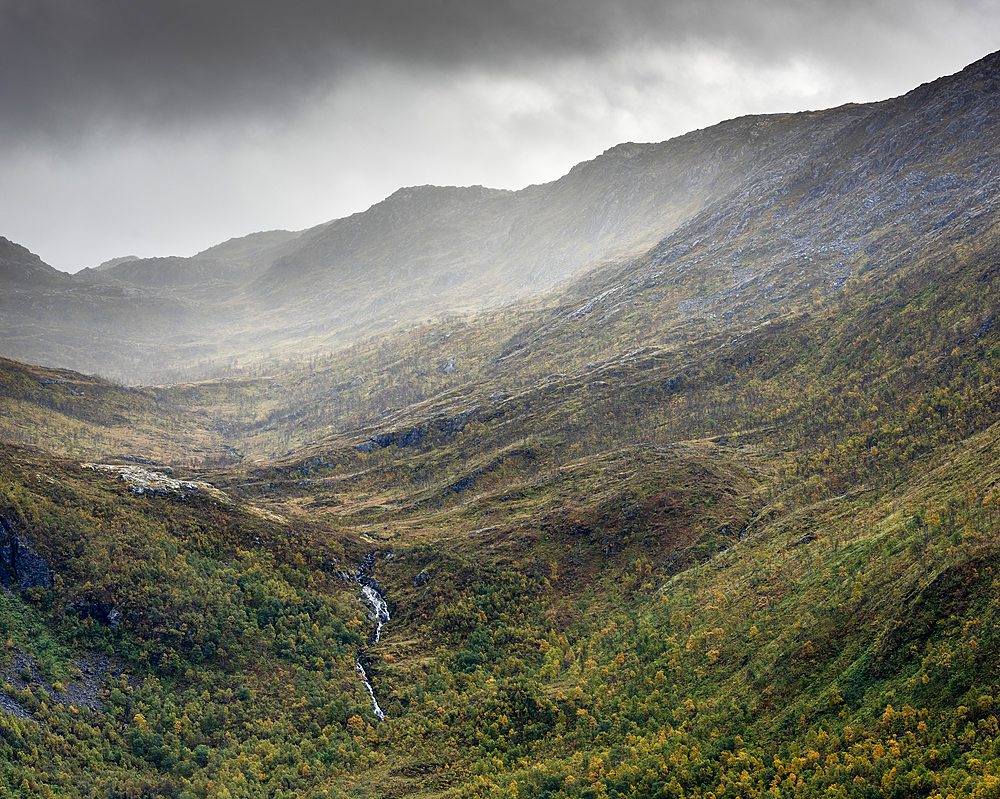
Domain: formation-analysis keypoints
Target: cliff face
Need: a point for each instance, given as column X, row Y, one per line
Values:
column 20, row 565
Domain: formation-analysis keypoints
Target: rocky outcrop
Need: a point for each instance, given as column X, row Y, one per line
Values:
column 144, row 481
column 90, row 673
column 20, row 564
column 101, row 612
column 414, row 436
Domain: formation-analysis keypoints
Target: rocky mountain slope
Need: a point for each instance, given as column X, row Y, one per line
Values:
column 225, row 266
column 751, row 215
column 21, row 269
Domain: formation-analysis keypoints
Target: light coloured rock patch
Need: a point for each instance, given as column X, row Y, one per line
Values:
column 143, row 481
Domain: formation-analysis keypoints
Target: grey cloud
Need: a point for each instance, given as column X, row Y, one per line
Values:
column 69, row 63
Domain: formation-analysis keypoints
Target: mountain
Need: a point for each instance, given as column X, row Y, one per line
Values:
column 423, row 253
column 717, row 517
column 113, row 262
column 113, row 319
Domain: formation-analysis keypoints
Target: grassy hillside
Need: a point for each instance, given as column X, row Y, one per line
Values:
column 69, row 413
column 747, row 567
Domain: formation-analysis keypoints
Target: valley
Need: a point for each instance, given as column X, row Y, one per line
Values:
column 700, row 499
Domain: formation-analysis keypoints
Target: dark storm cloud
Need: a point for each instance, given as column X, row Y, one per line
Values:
column 165, row 126
column 67, row 64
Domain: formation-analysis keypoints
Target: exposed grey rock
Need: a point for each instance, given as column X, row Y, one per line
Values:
column 8, row 705
column 98, row 611
column 20, row 564
column 83, row 691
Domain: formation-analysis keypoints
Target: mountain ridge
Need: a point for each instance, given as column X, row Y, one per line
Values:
column 407, row 259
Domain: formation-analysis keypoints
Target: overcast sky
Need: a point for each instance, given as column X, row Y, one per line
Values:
column 166, row 126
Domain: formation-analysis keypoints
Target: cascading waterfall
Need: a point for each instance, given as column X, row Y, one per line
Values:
column 372, row 596
column 371, row 691
column 380, row 610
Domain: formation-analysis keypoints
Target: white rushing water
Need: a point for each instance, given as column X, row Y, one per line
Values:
column 380, row 610
column 379, row 615
column 371, row 692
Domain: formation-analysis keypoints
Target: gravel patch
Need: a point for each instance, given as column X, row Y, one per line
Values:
column 83, row 692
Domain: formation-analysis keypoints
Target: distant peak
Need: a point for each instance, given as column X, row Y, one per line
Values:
column 20, row 266
column 113, row 262
column 430, row 190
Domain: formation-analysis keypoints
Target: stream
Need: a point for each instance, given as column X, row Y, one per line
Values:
column 371, row 691
column 372, row 596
